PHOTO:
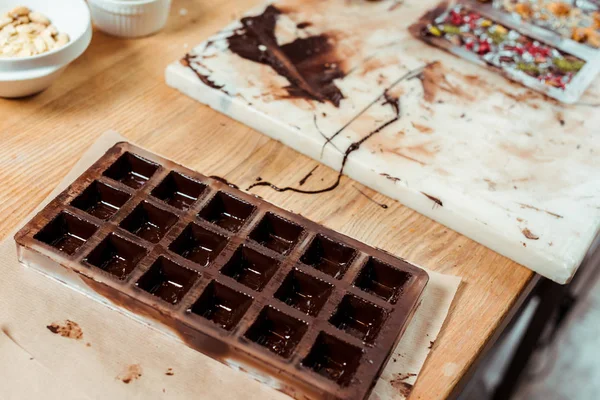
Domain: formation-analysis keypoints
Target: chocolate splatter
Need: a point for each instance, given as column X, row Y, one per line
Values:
column 391, row 178
column 403, row 377
column 422, row 128
column 303, row 180
column 188, row 60
column 309, row 64
column 529, row 235
column 402, row 387
column 431, row 343
column 433, row 79
column 540, row 210
column 170, row 372
column 225, row 181
column 131, row 373
column 382, row 205
column 67, row 329
column 434, row 199
column 303, row 25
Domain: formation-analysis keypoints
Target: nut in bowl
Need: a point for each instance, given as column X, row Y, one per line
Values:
column 38, row 40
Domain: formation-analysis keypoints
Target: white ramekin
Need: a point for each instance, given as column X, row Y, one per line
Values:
column 25, row 76
column 130, row 18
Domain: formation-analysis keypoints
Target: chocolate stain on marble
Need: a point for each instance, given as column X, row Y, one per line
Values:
column 67, row 329
column 188, row 60
column 170, row 372
column 310, row 64
column 529, row 235
column 540, row 210
column 131, row 373
column 391, row 178
column 422, row 128
column 402, row 387
column 434, row 80
column 434, row 199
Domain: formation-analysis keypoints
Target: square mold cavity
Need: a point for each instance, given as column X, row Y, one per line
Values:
column 226, row 211
column 198, row 244
column 328, row 256
column 167, row 280
column 131, row 170
column 66, row 233
column 149, row 222
column 359, row 318
column 222, row 305
column 179, row 191
column 382, row 280
column 250, row 268
column 101, row 200
column 334, row 359
column 276, row 233
column 304, row 292
column 116, row 256
column 277, row 332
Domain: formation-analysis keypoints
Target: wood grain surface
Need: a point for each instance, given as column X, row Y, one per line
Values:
column 118, row 84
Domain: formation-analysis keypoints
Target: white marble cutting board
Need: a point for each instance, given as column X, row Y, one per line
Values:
column 501, row 164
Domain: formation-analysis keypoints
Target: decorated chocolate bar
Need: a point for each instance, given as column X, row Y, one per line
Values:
column 490, row 38
column 578, row 20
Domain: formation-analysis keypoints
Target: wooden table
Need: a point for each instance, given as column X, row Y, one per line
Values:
column 118, row 84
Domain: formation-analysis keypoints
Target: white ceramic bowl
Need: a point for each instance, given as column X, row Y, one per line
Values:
column 130, row 18
column 25, row 76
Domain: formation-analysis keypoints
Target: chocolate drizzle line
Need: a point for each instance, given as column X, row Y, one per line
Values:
column 434, row 199
column 303, row 180
column 409, row 75
column 309, row 64
column 382, row 205
column 225, row 181
column 393, row 101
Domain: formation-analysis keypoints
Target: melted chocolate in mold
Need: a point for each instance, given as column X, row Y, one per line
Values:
column 131, row 170
column 382, row 280
column 149, row 222
column 116, row 256
column 179, row 190
column 198, row 245
column 66, row 233
column 309, row 64
column 226, row 211
column 359, row 318
column 328, row 256
column 167, row 280
column 250, row 268
column 333, row 359
column 304, row 292
column 222, row 305
column 101, row 200
column 276, row 233
column 277, row 331
column 225, row 181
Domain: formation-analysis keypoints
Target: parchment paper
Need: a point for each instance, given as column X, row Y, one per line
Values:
column 118, row 358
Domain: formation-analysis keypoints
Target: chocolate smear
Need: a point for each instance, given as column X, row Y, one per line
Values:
column 67, row 329
column 303, row 180
column 309, row 64
column 223, row 180
column 530, row 235
column 434, row 199
column 187, row 61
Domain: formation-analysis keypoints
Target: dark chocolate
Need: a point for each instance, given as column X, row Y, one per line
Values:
column 314, row 312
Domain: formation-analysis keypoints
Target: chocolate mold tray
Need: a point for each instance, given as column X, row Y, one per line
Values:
column 311, row 312
column 534, row 57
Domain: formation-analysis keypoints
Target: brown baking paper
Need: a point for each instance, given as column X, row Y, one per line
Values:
column 100, row 353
